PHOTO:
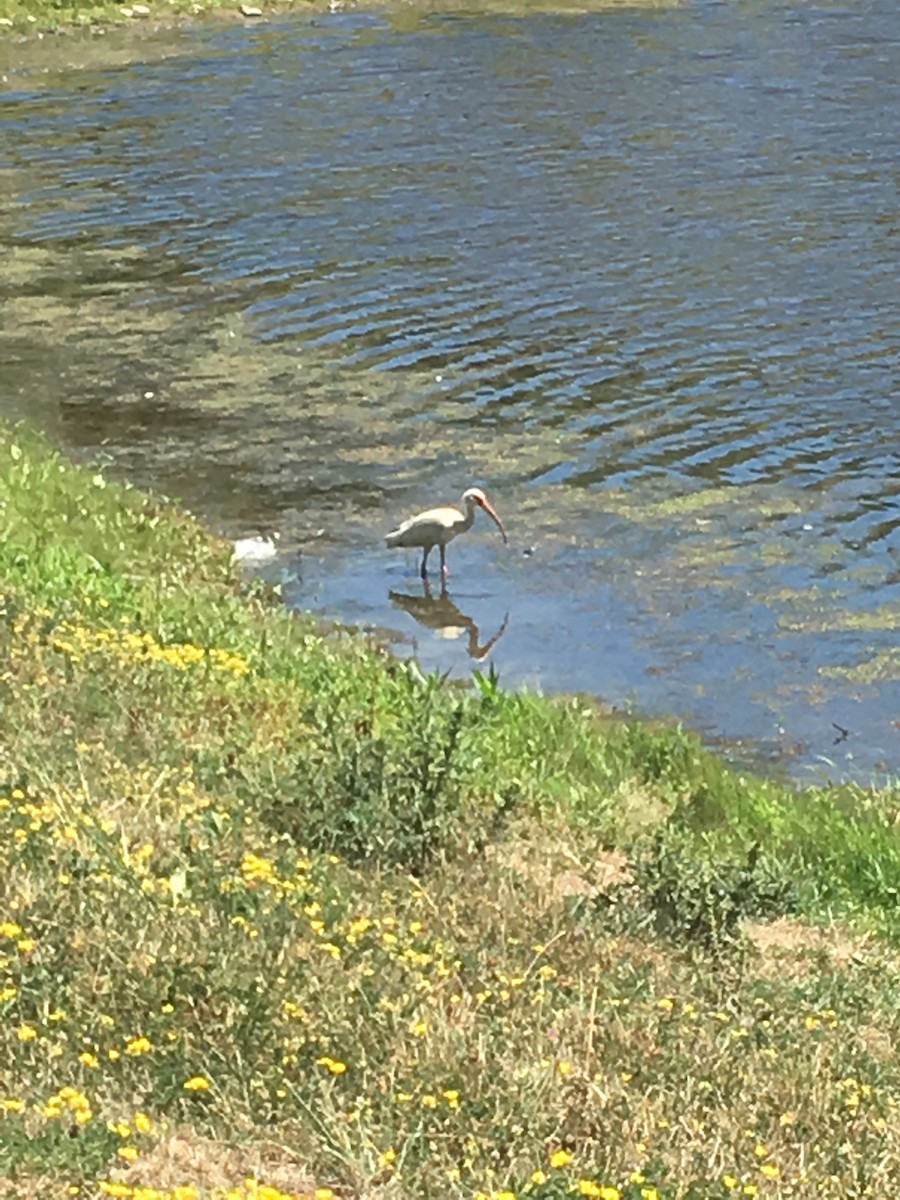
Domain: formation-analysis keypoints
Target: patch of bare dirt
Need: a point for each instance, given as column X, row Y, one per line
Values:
column 185, row 1158
column 788, row 948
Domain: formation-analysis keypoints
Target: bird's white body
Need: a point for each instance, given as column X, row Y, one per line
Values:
column 439, row 526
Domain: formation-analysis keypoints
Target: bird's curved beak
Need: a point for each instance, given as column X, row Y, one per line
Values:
column 485, row 504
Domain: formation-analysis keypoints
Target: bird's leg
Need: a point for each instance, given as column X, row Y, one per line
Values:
column 444, row 571
column 425, row 553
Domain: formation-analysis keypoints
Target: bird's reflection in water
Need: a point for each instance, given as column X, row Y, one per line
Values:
column 439, row 612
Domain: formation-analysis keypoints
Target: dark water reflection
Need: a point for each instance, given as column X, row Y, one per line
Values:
column 633, row 271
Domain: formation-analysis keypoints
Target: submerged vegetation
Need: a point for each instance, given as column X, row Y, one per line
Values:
column 281, row 916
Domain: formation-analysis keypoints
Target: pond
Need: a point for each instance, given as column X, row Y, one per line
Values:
column 633, row 271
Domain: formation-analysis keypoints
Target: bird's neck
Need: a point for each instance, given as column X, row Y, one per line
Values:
column 470, row 514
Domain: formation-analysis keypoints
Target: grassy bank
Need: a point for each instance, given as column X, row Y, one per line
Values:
column 52, row 16
column 280, row 916
column 33, row 16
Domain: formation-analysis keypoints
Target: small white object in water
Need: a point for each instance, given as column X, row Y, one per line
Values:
column 250, row 10
column 254, row 551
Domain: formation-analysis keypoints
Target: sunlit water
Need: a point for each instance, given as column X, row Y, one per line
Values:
column 635, row 272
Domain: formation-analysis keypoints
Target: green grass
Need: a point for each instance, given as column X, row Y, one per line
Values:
column 281, row 916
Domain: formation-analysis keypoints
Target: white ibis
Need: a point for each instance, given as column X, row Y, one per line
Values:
column 438, row 526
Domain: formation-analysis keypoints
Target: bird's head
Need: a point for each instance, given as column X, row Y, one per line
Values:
column 475, row 496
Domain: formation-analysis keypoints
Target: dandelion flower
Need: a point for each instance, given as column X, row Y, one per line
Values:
column 26, row 1033
column 538, row 1177
column 197, row 1083
column 770, row 1170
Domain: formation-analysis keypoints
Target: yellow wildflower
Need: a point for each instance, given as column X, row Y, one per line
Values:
column 770, row 1170
column 538, row 1177
column 334, row 1065
column 560, row 1159
column 138, row 1045
column 142, row 1122
column 564, row 1067
column 26, row 1033
column 197, row 1083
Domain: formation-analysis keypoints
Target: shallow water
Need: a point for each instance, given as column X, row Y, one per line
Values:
column 632, row 271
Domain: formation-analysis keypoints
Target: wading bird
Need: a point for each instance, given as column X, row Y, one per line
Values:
column 438, row 526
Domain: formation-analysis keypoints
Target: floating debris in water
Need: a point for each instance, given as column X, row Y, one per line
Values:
column 254, row 551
